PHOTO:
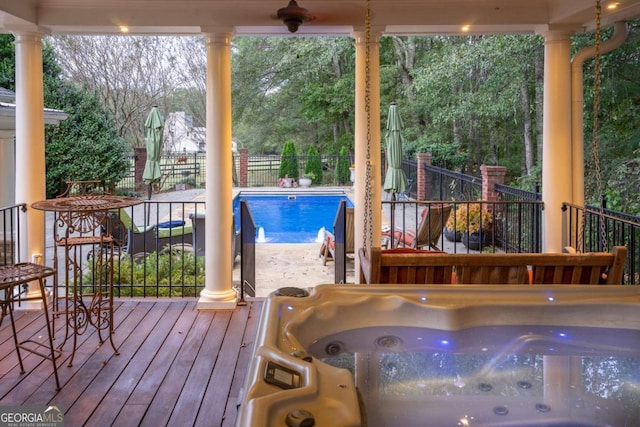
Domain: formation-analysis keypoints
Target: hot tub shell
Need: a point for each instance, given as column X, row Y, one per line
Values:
column 328, row 395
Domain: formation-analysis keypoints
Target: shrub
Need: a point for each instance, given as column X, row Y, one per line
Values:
column 313, row 168
column 289, row 161
column 342, row 166
column 161, row 275
column 472, row 218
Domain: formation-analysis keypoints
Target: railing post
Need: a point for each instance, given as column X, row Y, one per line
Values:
column 244, row 166
column 423, row 179
column 139, row 161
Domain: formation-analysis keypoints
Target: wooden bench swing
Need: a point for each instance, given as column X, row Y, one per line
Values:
column 411, row 266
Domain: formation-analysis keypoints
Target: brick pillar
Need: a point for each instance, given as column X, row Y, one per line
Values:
column 244, row 166
column 424, row 178
column 491, row 175
column 140, row 158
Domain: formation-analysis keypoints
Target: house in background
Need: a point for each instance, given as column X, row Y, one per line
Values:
column 181, row 136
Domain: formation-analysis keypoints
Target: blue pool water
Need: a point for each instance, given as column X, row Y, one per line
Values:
column 290, row 218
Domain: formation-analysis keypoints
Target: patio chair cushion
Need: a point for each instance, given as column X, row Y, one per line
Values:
column 171, row 224
column 174, row 231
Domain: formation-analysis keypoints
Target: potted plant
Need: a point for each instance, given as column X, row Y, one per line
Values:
column 474, row 223
column 450, row 232
column 306, row 179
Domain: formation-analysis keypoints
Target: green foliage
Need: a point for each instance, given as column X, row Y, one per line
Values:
column 289, row 161
column 342, row 166
column 292, row 88
column 160, row 275
column 313, row 167
column 7, row 62
column 623, row 188
column 86, row 145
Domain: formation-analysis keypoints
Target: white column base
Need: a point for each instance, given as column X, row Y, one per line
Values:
column 223, row 300
column 35, row 304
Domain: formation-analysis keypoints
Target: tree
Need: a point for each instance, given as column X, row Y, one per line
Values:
column 130, row 74
column 299, row 87
column 86, row 146
column 313, row 167
column 83, row 147
column 342, row 166
column 289, row 161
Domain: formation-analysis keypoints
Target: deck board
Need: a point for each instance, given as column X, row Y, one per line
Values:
column 226, row 363
column 177, row 366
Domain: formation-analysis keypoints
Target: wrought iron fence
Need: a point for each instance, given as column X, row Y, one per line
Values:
column 186, row 171
column 157, row 254
column 594, row 229
column 263, row 171
column 511, row 226
column 444, row 184
column 10, row 219
column 179, row 172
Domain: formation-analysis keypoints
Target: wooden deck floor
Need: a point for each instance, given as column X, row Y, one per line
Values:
column 177, row 366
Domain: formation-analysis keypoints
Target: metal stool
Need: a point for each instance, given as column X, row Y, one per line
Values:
column 21, row 274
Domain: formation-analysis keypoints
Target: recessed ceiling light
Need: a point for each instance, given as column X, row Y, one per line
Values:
column 612, row 5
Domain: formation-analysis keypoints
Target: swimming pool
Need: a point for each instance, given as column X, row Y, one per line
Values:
column 290, row 217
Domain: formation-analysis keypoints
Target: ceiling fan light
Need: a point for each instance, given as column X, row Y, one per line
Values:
column 293, row 16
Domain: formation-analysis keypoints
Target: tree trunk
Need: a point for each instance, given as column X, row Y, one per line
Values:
column 405, row 53
column 527, row 130
column 539, row 96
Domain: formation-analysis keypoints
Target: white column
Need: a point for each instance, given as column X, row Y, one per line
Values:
column 367, row 133
column 218, row 292
column 30, row 164
column 556, row 137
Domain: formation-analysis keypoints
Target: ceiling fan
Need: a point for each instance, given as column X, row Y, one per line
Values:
column 293, row 16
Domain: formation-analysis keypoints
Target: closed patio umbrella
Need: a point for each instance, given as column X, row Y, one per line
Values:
column 395, row 181
column 154, row 125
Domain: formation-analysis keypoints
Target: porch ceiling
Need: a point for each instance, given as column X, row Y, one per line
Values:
column 336, row 17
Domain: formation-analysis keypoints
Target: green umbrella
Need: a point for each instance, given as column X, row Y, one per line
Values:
column 395, row 181
column 154, row 125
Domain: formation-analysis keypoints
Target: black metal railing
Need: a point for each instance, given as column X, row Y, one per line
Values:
column 594, row 229
column 512, row 226
column 185, row 171
column 154, row 252
column 247, row 252
column 444, row 184
column 10, row 219
column 262, row 171
column 340, row 250
column 179, row 172
column 157, row 255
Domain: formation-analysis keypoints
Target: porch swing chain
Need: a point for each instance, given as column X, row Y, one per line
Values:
column 594, row 160
column 368, row 216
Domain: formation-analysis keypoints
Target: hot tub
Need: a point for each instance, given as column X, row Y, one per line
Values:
column 359, row 355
